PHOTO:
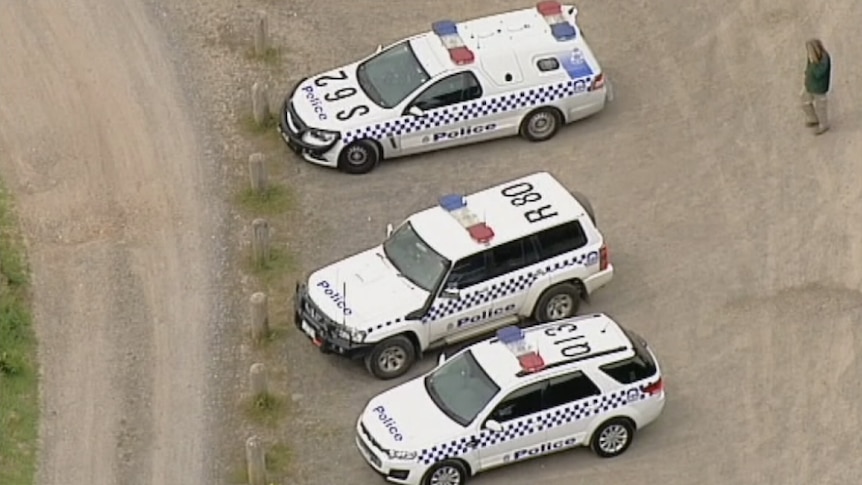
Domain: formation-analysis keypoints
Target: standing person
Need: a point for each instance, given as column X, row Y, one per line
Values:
column 818, row 74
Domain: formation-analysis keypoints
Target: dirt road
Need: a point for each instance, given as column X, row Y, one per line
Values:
column 97, row 145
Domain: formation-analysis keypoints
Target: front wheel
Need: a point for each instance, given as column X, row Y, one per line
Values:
column 391, row 358
column 359, row 157
column 558, row 302
column 449, row 472
column 613, row 437
column 541, row 125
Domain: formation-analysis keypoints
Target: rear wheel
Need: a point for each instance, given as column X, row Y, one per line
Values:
column 391, row 358
column 541, row 125
column 613, row 437
column 449, row 472
column 558, row 302
column 359, row 157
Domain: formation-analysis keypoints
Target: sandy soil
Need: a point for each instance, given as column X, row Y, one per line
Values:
column 737, row 235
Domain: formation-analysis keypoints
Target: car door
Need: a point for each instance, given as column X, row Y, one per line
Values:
column 518, row 416
column 463, row 295
column 441, row 116
column 514, row 267
column 572, row 401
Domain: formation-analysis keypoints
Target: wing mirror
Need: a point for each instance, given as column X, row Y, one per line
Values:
column 416, row 111
column 493, row 426
column 388, row 230
column 379, row 49
column 442, row 358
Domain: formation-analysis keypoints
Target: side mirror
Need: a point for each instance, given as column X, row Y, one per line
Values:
column 388, row 230
column 450, row 293
column 493, row 426
column 379, row 49
column 442, row 358
column 416, row 111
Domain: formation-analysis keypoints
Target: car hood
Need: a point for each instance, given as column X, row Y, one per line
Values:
column 405, row 418
column 334, row 101
column 364, row 290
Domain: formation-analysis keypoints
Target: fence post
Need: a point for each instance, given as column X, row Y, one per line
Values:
column 260, row 241
column 257, row 381
column 259, row 316
column 259, row 103
column 257, row 172
column 254, row 456
column 261, row 34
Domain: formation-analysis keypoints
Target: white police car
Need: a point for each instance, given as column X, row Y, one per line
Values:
column 523, row 72
column 584, row 381
column 526, row 248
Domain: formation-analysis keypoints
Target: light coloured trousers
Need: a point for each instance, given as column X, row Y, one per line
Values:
column 815, row 108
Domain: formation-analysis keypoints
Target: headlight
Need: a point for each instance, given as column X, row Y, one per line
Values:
column 351, row 334
column 402, row 455
column 320, row 138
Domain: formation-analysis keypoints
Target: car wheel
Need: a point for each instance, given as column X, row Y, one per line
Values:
column 359, row 157
column 558, row 302
column 449, row 472
column 584, row 201
column 613, row 437
column 391, row 358
column 541, row 125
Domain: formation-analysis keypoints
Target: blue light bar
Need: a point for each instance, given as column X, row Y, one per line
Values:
column 453, row 202
column 564, row 31
column 444, row 27
column 510, row 334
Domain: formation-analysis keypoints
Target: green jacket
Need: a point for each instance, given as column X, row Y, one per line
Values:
column 817, row 75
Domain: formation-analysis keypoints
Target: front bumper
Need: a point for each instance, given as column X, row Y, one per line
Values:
column 291, row 128
column 396, row 471
column 322, row 332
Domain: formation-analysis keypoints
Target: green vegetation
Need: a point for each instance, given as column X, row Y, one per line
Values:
column 19, row 396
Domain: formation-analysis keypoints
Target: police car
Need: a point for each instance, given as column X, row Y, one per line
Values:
column 585, row 381
column 526, row 248
column 525, row 72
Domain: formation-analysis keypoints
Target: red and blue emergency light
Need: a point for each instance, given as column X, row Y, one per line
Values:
column 456, row 205
column 452, row 41
column 528, row 357
column 552, row 11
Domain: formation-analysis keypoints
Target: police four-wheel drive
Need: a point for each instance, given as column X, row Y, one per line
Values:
column 528, row 248
column 525, row 72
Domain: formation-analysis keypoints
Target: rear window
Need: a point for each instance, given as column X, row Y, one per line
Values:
column 561, row 239
column 637, row 368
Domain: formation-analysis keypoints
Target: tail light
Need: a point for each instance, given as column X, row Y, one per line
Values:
column 655, row 388
column 598, row 82
column 604, row 258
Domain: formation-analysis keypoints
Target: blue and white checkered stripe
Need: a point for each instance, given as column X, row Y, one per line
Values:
column 507, row 287
column 476, row 109
column 533, row 424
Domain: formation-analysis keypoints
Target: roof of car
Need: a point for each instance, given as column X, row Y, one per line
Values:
column 584, row 340
column 440, row 229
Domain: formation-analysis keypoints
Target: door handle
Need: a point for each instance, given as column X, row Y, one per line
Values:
column 473, row 443
column 540, row 272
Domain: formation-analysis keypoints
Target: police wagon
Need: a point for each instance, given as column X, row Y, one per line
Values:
column 524, row 72
column 528, row 248
column 584, row 381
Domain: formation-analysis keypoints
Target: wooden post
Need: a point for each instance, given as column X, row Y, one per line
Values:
column 261, row 34
column 260, row 241
column 259, row 103
column 257, row 172
column 259, row 316
column 257, row 381
column 254, row 456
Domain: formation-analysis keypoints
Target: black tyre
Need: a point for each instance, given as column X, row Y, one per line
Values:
column 558, row 302
column 448, row 472
column 541, row 125
column 584, row 201
column 359, row 157
column 613, row 437
column 391, row 358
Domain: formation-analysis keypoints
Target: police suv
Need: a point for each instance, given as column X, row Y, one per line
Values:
column 527, row 248
column 523, row 72
column 584, row 381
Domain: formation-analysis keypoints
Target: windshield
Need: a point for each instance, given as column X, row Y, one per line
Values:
column 391, row 75
column 461, row 388
column 414, row 259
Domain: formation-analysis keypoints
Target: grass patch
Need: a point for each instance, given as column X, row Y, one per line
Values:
column 281, row 262
column 249, row 125
column 279, row 459
column 19, row 397
column 267, row 409
column 276, row 199
column 271, row 56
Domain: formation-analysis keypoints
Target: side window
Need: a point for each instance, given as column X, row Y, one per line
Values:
column 513, row 256
column 524, row 401
column 469, row 271
column 456, row 88
column 569, row 388
column 548, row 64
column 561, row 239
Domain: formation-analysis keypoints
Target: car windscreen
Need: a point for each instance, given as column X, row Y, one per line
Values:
column 414, row 259
column 392, row 75
column 461, row 388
